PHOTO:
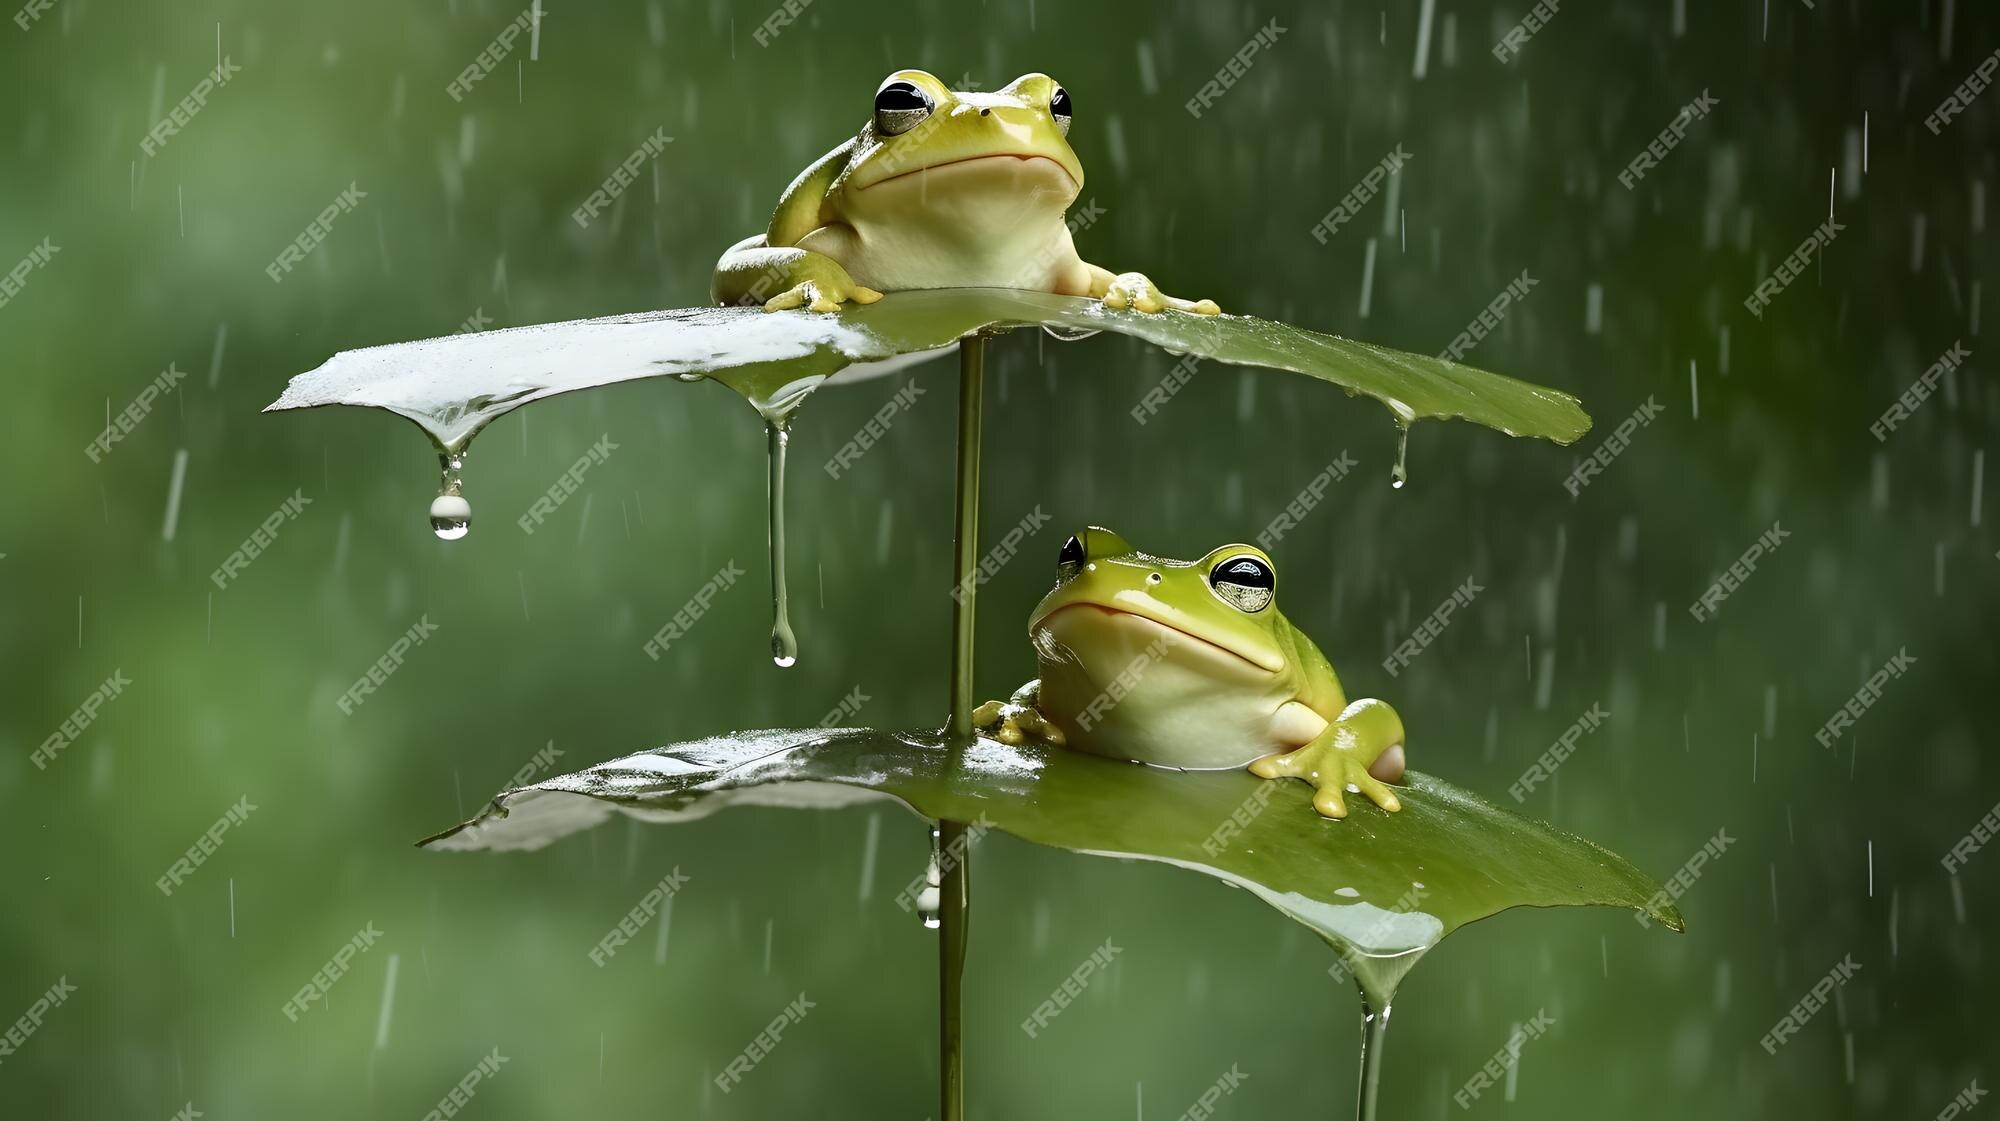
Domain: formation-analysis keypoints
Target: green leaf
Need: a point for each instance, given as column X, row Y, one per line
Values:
column 1376, row 885
column 456, row 385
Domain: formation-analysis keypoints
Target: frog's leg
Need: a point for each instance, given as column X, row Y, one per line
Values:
column 753, row 273
column 1136, row 291
column 1361, row 748
column 1018, row 719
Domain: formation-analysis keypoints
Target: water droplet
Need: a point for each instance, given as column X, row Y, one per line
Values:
column 784, row 644
column 1400, row 474
column 689, row 375
column 451, row 514
column 1067, row 334
column 932, row 895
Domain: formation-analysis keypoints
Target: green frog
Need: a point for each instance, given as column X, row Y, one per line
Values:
column 941, row 188
column 1190, row 664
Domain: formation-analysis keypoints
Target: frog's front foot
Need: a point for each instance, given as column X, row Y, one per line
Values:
column 826, row 294
column 1136, row 291
column 1014, row 724
column 1362, row 750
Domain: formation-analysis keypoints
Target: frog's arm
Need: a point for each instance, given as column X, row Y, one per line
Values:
column 770, row 270
column 1136, row 291
column 1362, row 746
column 1017, row 719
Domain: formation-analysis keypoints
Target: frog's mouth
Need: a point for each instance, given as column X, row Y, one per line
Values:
column 1176, row 632
column 989, row 161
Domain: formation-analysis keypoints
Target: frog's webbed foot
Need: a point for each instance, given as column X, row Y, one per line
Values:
column 1362, row 747
column 826, row 294
column 1136, row 291
column 1014, row 724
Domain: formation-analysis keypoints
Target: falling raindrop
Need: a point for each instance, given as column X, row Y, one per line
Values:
column 1399, row 474
column 451, row 514
column 933, row 893
column 784, row 644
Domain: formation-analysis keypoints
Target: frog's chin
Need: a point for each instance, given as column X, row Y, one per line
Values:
column 1107, row 641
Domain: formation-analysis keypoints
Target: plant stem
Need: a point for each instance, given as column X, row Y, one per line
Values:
column 955, row 890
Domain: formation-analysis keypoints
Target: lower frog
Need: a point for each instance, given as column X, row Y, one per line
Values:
column 1191, row 665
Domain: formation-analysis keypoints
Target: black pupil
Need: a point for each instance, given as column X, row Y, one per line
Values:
column 899, row 97
column 1243, row 571
column 1071, row 555
column 1059, row 104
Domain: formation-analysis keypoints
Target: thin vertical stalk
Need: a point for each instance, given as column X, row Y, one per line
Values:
column 1374, row 1032
column 955, row 889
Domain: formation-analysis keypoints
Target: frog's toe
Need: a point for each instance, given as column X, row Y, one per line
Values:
column 788, row 299
column 1378, row 792
column 988, row 714
column 1328, row 802
column 865, row 295
column 1203, row 307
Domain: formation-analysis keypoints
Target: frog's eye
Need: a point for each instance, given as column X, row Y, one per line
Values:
column 1069, row 562
column 899, row 105
column 1059, row 108
column 1244, row 582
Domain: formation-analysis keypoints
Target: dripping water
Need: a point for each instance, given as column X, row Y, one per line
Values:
column 1400, row 474
column 1374, row 1030
column 784, row 644
column 451, row 514
column 933, row 894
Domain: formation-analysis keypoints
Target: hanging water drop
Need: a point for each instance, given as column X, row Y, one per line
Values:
column 784, row 644
column 1399, row 474
column 1065, row 333
column 451, row 514
column 933, row 893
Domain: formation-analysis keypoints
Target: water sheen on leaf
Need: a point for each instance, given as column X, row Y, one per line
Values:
column 1456, row 857
column 456, row 385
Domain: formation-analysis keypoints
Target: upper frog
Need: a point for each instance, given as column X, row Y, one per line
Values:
column 941, row 188
column 1190, row 664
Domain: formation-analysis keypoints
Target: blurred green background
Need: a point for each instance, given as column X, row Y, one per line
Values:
column 467, row 213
